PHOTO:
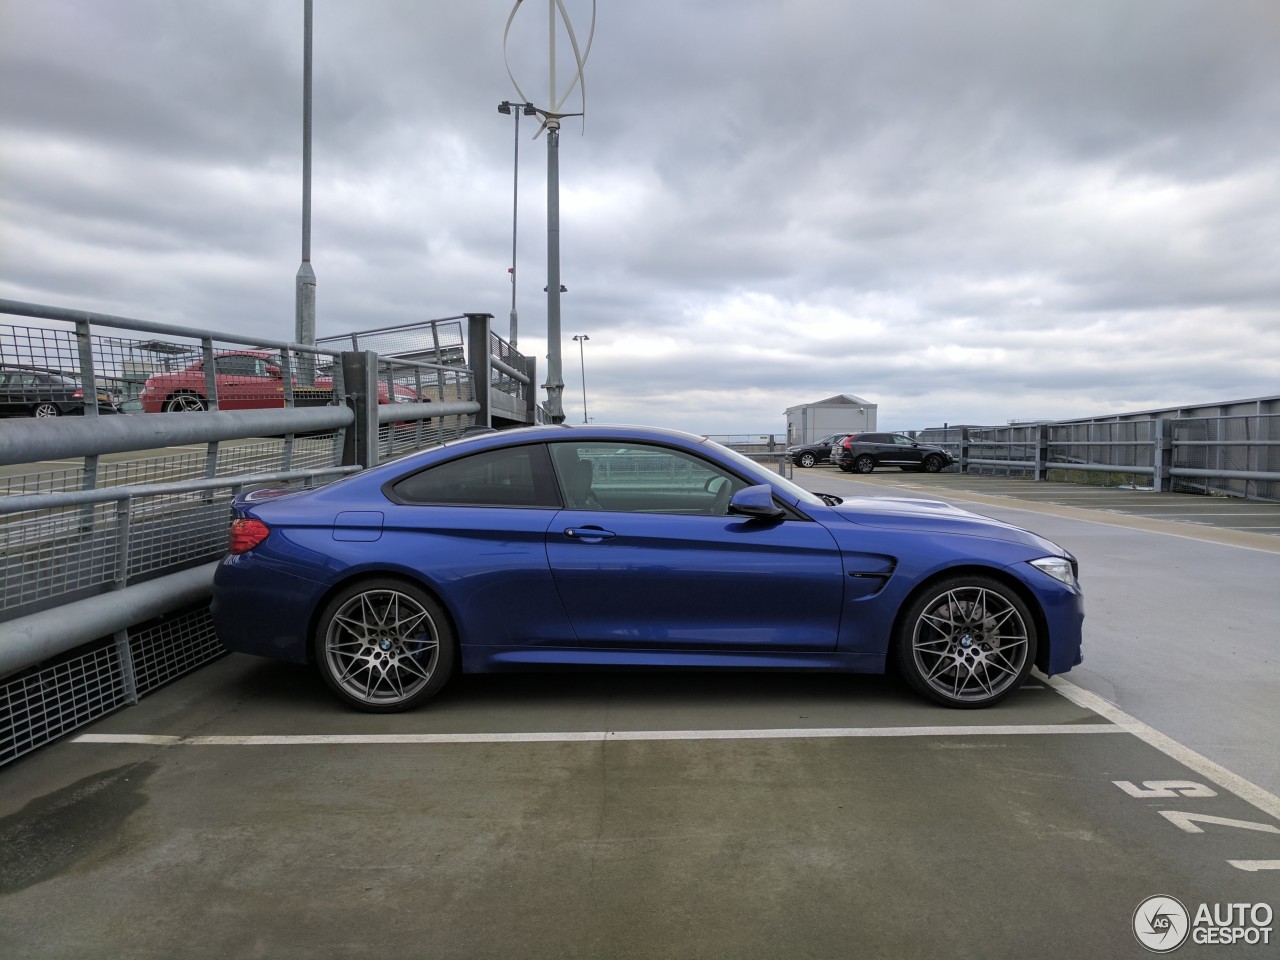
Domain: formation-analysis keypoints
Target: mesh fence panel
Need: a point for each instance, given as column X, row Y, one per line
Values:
column 178, row 644
column 43, row 704
column 48, row 701
column 41, row 369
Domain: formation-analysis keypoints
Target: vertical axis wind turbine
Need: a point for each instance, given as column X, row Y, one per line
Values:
column 551, row 117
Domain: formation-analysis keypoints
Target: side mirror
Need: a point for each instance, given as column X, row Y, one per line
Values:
column 756, row 502
column 274, row 371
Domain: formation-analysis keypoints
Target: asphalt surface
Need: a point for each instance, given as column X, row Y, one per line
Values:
column 241, row 812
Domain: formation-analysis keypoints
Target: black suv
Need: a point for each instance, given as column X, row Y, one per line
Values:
column 863, row 452
column 807, row 454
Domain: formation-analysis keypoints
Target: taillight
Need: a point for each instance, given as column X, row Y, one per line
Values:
column 845, row 443
column 245, row 535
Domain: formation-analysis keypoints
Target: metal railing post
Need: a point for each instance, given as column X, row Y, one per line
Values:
column 964, row 450
column 478, row 358
column 530, row 394
column 360, row 377
column 1162, row 455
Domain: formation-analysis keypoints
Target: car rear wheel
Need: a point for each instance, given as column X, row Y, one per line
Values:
column 932, row 464
column 184, row 403
column 845, row 468
column 46, row 409
column 864, row 464
column 384, row 645
column 967, row 642
column 807, row 459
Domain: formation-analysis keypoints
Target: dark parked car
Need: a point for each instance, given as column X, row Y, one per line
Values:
column 863, row 452
column 37, row 392
column 808, row 454
column 632, row 548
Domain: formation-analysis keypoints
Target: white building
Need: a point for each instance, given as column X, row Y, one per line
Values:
column 846, row 413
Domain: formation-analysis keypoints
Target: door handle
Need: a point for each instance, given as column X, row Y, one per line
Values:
column 589, row 534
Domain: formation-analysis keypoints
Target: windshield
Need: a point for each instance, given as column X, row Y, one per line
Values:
column 786, row 486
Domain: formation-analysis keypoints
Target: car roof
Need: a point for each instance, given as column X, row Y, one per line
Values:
column 574, row 431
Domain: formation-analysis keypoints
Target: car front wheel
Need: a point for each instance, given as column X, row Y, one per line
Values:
column 807, row 460
column 864, row 464
column 967, row 642
column 384, row 645
column 184, row 403
column 932, row 464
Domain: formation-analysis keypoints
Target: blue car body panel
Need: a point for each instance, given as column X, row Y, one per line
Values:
column 529, row 586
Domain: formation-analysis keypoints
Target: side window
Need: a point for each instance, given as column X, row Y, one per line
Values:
column 902, row 441
column 235, row 366
column 640, row 478
column 514, row 477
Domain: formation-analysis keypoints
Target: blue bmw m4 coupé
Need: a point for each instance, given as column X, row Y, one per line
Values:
column 586, row 546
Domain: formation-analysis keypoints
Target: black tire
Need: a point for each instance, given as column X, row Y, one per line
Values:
column 806, row 459
column 845, row 468
column 384, row 645
column 46, row 409
column 864, row 464
column 185, row 403
column 966, row 642
column 932, row 463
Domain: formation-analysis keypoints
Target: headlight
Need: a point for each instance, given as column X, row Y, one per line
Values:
column 1060, row 568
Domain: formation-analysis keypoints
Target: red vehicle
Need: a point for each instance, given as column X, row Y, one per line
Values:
column 246, row 380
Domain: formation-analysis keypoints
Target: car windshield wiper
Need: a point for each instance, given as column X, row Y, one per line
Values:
column 830, row 499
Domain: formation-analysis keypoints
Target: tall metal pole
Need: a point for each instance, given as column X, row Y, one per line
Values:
column 506, row 106
column 551, row 123
column 555, row 377
column 582, row 339
column 305, row 294
column 515, row 210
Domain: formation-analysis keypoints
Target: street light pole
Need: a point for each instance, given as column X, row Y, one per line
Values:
column 505, row 107
column 305, row 281
column 581, row 339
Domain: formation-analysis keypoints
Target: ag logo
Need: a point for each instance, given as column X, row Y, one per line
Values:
column 1161, row 924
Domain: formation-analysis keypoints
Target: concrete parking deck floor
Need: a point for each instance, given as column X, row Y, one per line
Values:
column 1216, row 513
column 241, row 812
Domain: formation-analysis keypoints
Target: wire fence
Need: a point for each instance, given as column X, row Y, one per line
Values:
column 100, row 530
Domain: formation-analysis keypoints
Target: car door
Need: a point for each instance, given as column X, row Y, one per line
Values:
column 644, row 556
column 905, row 451
column 11, row 402
column 481, row 521
column 243, row 383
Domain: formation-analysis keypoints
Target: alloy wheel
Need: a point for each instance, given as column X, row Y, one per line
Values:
column 971, row 645
column 381, row 648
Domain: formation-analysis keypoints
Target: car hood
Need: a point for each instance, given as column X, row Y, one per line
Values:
column 934, row 516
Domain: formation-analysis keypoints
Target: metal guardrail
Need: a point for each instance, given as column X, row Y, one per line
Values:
column 107, row 566
column 1230, row 455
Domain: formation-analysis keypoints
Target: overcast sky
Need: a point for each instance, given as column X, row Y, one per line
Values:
column 961, row 210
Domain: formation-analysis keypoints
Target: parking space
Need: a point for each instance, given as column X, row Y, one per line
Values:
column 243, row 812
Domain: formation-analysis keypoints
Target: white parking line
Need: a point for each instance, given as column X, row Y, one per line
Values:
column 602, row 736
column 1244, row 789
